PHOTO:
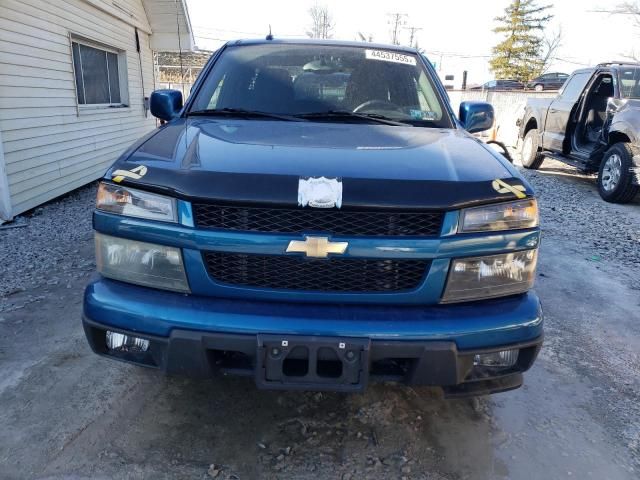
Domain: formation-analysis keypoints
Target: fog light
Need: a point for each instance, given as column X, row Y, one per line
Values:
column 126, row 343
column 504, row 358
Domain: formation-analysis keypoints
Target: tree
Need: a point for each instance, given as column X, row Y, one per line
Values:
column 631, row 9
column 397, row 21
column 628, row 9
column 412, row 35
column 321, row 22
column 520, row 55
column 551, row 44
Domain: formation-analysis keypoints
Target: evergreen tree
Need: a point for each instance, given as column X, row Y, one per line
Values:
column 519, row 56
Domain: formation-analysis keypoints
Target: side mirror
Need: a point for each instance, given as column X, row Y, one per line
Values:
column 613, row 104
column 166, row 104
column 476, row 116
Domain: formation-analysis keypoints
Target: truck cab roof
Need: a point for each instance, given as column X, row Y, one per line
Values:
column 322, row 41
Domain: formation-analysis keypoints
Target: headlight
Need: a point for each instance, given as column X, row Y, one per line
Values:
column 500, row 216
column 135, row 203
column 141, row 263
column 491, row 276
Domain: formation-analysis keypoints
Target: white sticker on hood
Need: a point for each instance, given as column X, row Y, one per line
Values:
column 387, row 56
column 320, row 192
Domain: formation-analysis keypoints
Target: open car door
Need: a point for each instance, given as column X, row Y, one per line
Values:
column 559, row 113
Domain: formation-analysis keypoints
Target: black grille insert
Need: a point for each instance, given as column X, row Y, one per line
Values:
column 281, row 272
column 338, row 222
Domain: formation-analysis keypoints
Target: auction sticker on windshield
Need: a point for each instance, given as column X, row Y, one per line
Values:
column 386, row 56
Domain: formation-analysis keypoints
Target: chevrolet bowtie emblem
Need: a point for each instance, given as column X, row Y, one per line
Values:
column 317, row 247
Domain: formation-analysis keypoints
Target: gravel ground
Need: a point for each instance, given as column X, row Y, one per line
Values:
column 42, row 247
column 607, row 236
column 602, row 232
column 66, row 413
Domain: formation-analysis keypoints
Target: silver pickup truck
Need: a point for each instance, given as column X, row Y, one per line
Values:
column 593, row 124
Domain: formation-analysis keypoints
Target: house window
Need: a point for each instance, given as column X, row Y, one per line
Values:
column 100, row 74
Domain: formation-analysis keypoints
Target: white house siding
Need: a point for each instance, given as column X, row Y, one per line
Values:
column 50, row 145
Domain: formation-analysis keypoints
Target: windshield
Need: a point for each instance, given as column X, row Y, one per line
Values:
column 299, row 80
column 630, row 83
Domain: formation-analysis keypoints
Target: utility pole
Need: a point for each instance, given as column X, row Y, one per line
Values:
column 397, row 21
column 412, row 34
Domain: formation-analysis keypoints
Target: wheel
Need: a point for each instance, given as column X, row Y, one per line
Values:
column 530, row 155
column 538, row 88
column 615, row 178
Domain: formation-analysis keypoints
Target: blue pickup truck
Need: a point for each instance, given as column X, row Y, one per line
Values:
column 315, row 216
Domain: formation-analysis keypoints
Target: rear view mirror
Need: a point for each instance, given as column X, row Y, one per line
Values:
column 166, row 104
column 476, row 116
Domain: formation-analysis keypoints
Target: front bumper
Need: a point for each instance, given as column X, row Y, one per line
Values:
column 435, row 345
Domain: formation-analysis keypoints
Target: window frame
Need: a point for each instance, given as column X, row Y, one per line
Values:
column 617, row 79
column 448, row 119
column 561, row 93
column 123, row 81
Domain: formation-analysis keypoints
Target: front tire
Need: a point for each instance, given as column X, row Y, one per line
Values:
column 530, row 155
column 615, row 177
column 538, row 88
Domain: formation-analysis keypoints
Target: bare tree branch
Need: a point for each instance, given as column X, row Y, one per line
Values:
column 551, row 43
column 632, row 55
column 629, row 9
column 397, row 22
column 321, row 22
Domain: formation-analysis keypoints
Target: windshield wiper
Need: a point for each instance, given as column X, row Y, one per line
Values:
column 347, row 114
column 241, row 112
column 330, row 114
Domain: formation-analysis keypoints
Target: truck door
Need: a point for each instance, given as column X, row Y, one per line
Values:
column 559, row 112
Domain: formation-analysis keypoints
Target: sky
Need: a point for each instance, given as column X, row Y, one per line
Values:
column 455, row 34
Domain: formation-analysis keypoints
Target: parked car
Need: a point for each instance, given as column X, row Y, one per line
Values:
column 500, row 85
column 318, row 241
column 548, row 81
column 593, row 124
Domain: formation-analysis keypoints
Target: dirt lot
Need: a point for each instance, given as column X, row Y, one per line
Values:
column 66, row 413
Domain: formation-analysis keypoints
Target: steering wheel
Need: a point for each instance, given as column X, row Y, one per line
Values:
column 377, row 104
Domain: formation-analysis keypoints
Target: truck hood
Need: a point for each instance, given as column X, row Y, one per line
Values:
column 252, row 161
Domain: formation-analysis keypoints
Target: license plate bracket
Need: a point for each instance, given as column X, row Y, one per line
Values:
column 291, row 362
